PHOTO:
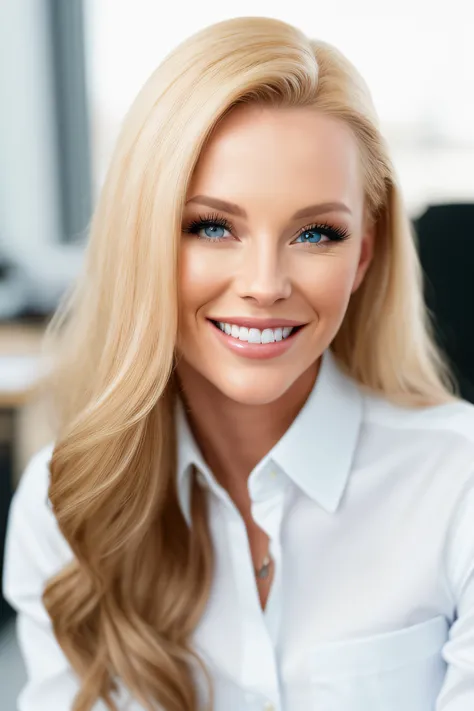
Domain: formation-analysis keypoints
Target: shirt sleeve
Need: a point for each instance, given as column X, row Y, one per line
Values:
column 457, row 692
column 34, row 551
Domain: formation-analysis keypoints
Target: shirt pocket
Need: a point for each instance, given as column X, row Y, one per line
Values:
column 395, row 670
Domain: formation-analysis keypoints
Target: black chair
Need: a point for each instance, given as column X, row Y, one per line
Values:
column 446, row 248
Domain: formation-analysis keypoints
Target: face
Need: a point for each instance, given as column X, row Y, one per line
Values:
column 274, row 237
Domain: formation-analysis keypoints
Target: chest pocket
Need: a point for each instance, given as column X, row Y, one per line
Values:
column 391, row 671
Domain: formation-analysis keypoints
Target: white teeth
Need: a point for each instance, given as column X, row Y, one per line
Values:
column 255, row 335
column 268, row 336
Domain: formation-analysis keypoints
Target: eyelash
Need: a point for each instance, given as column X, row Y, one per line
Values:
column 335, row 234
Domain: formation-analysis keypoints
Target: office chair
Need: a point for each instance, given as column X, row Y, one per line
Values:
column 446, row 248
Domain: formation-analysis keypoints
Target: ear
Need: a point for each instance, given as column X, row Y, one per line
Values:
column 366, row 254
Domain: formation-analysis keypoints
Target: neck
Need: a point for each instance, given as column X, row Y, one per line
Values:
column 233, row 436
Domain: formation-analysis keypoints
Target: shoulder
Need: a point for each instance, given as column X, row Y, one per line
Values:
column 428, row 450
column 34, row 481
column 30, row 498
column 452, row 420
column 433, row 442
column 35, row 549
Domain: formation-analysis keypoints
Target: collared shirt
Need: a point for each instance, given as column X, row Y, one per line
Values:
column 369, row 508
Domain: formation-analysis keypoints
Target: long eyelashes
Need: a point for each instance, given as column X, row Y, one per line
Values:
column 333, row 232
column 210, row 220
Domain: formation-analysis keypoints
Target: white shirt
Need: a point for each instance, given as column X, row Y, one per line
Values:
column 370, row 511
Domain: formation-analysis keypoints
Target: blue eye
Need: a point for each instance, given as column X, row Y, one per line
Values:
column 315, row 237
column 214, row 226
column 314, row 234
column 214, row 230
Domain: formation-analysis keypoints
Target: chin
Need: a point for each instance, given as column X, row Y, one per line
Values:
column 261, row 390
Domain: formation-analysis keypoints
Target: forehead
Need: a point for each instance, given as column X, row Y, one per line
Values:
column 278, row 151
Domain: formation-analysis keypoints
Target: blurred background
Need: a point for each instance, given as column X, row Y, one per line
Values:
column 69, row 70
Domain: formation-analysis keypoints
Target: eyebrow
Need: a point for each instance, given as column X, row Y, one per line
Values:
column 234, row 209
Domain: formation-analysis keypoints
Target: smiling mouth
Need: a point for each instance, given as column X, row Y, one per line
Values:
column 257, row 336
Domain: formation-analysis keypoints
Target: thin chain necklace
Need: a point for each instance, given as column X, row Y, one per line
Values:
column 264, row 569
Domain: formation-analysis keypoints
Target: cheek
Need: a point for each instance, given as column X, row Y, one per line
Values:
column 200, row 278
column 327, row 283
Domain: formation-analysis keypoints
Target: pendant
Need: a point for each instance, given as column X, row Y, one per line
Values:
column 264, row 570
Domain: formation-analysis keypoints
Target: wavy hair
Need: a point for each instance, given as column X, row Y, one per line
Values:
column 126, row 607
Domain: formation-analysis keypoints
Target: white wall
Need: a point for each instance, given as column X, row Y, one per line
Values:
column 29, row 197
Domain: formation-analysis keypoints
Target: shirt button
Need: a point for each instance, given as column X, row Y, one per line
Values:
column 269, row 706
column 273, row 474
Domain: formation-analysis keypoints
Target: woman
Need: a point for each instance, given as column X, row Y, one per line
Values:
column 261, row 490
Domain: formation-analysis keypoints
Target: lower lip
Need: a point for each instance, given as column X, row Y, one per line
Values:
column 256, row 350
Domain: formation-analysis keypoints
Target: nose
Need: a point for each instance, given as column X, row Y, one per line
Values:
column 263, row 276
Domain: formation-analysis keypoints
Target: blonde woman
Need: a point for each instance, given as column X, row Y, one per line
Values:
column 260, row 495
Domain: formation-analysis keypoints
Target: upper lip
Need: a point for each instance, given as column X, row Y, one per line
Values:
column 254, row 322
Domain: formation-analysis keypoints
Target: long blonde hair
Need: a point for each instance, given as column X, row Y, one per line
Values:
column 127, row 605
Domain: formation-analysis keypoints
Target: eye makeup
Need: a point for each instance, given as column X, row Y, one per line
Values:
column 332, row 232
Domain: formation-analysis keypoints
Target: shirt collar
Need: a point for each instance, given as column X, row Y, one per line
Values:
column 316, row 451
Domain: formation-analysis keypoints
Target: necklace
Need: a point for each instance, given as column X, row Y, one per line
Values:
column 264, row 569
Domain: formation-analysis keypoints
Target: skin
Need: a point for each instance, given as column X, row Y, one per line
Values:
column 271, row 162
